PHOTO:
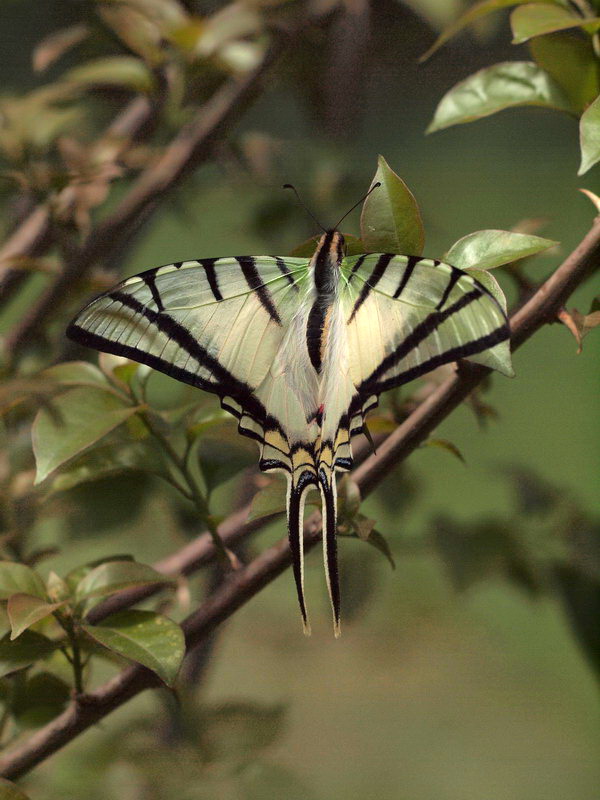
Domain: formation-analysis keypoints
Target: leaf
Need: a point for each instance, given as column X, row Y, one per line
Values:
column 379, row 542
column 57, row 589
column 268, row 501
column 444, row 444
column 474, row 13
column 4, row 621
column 29, row 648
column 88, row 414
column 390, row 221
column 492, row 248
column 10, row 791
column 73, row 578
column 505, row 85
column 16, row 578
column 52, row 47
column 589, row 136
column 111, row 457
column 579, row 324
column 571, row 61
column 24, row 610
column 143, row 636
column 123, row 72
column 220, row 461
column 354, row 246
column 39, row 699
column 112, row 576
column 536, row 19
column 77, row 373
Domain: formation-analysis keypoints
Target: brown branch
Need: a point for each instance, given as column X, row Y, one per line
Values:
column 244, row 584
column 192, row 146
column 35, row 234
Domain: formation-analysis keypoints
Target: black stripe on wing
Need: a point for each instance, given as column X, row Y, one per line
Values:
column 374, row 385
column 255, row 282
column 371, row 282
column 208, row 265
column 225, row 383
column 285, row 270
column 455, row 275
column 411, row 263
column 149, row 279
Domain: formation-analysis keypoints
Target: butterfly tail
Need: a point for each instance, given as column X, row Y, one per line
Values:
column 296, row 495
column 329, row 512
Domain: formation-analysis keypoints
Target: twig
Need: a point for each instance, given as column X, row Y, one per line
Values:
column 35, row 235
column 191, row 146
column 245, row 583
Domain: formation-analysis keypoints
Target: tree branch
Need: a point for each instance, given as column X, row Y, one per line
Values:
column 192, row 146
column 35, row 235
column 245, row 583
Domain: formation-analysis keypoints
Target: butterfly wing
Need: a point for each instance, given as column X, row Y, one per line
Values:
column 216, row 324
column 227, row 326
column 409, row 315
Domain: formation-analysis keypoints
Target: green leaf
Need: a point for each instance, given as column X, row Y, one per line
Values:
column 24, row 610
column 77, row 373
column 589, row 135
column 506, row 85
column 75, row 576
column 474, row 13
column 112, row 576
column 10, row 791
column 221, row 460
column 146, row 637
column 4, row 621
column 124, row 72
column 379, row 542
column 354, row 246
column 111, row 457
column 16, row 578
column 571, row 61
column 492, row 248
column 444, row 444
column 269, row 501
column 26, row 650
column 87, row 414
column 390, row 221
column 536, row 19
column 39, row 699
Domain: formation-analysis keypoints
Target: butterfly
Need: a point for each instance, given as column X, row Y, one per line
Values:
column 299, row 351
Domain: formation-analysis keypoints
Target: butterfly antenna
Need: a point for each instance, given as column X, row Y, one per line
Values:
column 362, row 200
column 304, row 206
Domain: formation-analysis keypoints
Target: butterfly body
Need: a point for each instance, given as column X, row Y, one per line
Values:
column 299, row 350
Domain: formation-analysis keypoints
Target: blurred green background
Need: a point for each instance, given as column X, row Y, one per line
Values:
column 431, row 693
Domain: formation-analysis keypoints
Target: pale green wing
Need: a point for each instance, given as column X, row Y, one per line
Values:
column 215, row 323
column 408, row 315
column 227, row 326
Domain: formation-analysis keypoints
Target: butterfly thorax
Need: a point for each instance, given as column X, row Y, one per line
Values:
column 324, row 268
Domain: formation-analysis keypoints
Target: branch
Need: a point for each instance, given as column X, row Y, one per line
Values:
column 245, row 583
column 35, row 234
column 192, row 146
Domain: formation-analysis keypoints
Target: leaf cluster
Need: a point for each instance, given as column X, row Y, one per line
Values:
column 48, row 646
column 564, row 75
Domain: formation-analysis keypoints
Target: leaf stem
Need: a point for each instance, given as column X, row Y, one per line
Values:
column 193, row 493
